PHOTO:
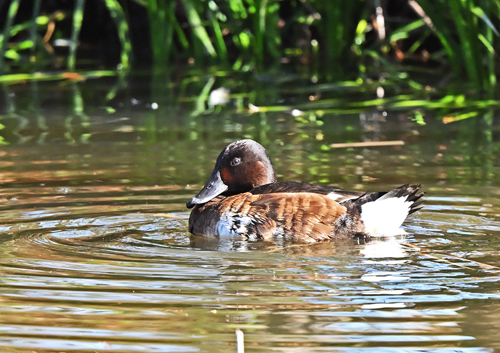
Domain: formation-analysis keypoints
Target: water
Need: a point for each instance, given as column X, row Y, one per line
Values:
column 95, row 255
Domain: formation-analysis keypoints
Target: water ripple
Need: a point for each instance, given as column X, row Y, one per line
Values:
column 115, row 270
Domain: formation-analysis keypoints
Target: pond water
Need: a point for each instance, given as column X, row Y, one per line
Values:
column 95, row 255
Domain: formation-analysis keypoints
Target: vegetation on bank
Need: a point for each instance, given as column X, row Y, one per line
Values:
column 405, row 49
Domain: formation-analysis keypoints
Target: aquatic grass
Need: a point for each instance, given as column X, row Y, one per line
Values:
column 467, row 107
column 218, row 32
column 118, row 16
column 343, row 97
column 14, row 53
column 199, row 30
column 255, row 27
column 11, row 14
column 77, row 112
column 162, row 26
column 24, row 55
column 334, row 36
column 43, row 76
column 35, row 106
column 341, row 19
column 470, row 40
column 33, row 28
column 11, row 30
column 167, row 30
column 209, row 27
column 122, row 28
column 38, row 21
column 77, row 25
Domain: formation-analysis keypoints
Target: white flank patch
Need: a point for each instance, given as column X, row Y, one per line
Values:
column 384, row 217
column 231, row 224
column 334, row 196
column 340, row 197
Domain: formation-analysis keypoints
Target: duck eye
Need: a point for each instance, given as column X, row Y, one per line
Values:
column 235, row 161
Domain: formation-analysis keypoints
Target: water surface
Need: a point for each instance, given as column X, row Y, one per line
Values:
column 95, row 255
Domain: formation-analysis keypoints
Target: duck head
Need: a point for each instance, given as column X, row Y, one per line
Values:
column 240, row 167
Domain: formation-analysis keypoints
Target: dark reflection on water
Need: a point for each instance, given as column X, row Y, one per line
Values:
column 95, row 254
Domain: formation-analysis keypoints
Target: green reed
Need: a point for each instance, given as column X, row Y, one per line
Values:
column 162, row 26
column 11, row 14
column 469, row 37
column 28, row 51
column 77, row 25
column 330, row 35
column 249, row 27
column 326, row 37
column 33, row 28
column 122, row 27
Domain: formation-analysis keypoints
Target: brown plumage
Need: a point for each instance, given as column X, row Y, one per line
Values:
column 303, row 217
column 242, row 198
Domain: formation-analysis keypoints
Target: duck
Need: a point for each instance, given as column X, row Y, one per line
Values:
column 242, row 198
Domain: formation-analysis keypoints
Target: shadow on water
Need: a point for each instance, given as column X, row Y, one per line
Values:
column 95, row 253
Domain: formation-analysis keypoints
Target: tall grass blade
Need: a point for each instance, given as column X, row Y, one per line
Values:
column 198, row 30
column 470, row 30
column 404, row 32
column 120, row 19
column 77, row 25
column 333, row 31
column 14, row 6
column 219, row 37
column 161, row 22
column 489, row 39
column 436, row 11
column 35, row 99
column 480, row 14
column 338, row 21
column 33, row 34
column 260, row 29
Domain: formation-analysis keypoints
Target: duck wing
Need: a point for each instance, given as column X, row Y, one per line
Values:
column 300, row 187
column 301, row 217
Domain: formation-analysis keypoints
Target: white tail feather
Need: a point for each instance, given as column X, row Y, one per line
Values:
column 384, row 216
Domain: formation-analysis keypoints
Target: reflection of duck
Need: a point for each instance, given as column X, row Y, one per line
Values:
column 242, row 198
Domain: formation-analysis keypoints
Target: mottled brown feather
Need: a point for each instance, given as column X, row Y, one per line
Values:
column 303, row 217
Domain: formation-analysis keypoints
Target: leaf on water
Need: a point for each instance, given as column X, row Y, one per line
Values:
column 368, row 144
column 419, row 118
column 74, row 76
column 451, row 119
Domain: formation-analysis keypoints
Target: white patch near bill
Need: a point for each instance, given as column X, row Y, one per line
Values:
column 384, row 217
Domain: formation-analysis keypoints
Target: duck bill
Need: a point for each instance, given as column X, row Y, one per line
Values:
column 213, row 188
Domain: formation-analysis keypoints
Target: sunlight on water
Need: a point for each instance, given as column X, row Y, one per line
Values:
column 112, row 279
column 95, row 253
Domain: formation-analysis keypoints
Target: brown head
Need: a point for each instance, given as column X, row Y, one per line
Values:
column 240, row 167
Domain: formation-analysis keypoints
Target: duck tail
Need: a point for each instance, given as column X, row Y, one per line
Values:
column 383, row 213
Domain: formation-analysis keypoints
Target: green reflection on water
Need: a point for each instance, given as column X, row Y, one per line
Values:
column 165, row 120
column 94, row 230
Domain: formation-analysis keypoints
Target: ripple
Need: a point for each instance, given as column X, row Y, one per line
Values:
column 94, row 268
